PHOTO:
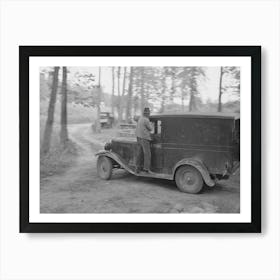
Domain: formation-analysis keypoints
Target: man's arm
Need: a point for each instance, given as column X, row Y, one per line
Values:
column 148, row 125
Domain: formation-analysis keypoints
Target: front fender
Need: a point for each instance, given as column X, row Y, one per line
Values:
column 102, row 152
column 199, row 166
column 116, row 158
column 109, row 154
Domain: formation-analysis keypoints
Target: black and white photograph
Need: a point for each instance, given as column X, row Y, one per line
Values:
column 143, row 138
column 140, row 139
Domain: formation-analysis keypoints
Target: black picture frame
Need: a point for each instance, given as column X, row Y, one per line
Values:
column 25, row 52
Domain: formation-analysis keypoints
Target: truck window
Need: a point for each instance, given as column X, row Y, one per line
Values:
column 159, row 127
column 156, row 127
column 156, row 133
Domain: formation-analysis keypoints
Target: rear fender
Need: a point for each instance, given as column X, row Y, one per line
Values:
column 199, row 166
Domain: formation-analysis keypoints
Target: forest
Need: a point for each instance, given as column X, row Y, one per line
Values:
column 82, row 93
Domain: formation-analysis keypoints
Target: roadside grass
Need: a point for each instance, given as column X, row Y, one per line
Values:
column 58, row 160
column 230, row 206
column 106, row 135
column 226, row 206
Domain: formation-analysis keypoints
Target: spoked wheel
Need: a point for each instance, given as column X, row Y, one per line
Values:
column 104, row 167
column 188, row 179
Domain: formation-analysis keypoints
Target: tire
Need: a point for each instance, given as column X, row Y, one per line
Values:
column 188, row 179
column 104, row 167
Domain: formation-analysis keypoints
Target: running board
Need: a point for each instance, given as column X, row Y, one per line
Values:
column 116, row 158
column 153, row 175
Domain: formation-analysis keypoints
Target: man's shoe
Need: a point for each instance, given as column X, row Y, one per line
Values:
column 147, row 171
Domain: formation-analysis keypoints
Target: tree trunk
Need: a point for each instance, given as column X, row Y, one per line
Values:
column 119, row 94
column 129, row 96
column 97, row 124
column 191, row 103
column 162, row 105
column 49, row 123
column 163, row 97
column 123, row 93
column 220, row 91
column 113, row 90
column 63, row 119
column 135, row 105
column 172, row 93
column 193, row 89
column 142, row 90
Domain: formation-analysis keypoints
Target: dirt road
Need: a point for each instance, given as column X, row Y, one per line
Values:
column 79, row 190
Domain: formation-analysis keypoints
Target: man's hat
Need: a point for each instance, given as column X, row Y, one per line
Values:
column 146, row 110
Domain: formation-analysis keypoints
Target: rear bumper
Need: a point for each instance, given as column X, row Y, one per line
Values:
column 235, row 167
column 230, row 171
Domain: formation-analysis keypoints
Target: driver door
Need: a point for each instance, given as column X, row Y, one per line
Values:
column 156, row 147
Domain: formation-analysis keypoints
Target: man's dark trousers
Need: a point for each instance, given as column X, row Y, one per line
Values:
column 145, row 145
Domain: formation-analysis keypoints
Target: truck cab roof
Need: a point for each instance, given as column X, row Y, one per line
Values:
column 197, row 115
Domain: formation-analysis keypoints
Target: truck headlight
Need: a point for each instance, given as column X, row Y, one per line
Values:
column 108, row 146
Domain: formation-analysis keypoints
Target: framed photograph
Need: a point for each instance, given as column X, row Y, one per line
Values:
column 140, row 139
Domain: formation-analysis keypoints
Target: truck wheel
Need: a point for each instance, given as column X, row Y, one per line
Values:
column 188, row 179
column 104, row 167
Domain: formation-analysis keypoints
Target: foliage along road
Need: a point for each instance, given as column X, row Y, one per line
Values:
column 80, row 190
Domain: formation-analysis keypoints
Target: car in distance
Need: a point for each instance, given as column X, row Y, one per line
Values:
column 106, row 120
column 191, row 149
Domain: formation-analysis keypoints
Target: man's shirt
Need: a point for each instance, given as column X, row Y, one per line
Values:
column 143, row 128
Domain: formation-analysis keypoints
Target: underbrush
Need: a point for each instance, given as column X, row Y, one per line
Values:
column 58, row 159
column 76, row 113
column 106, row 134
